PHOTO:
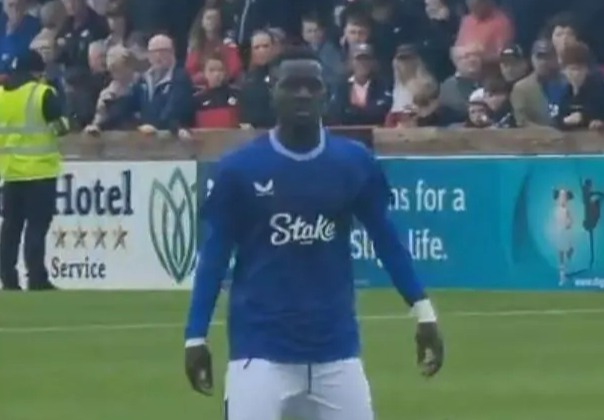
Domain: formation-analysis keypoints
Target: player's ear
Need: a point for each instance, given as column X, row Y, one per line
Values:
column 556, row 194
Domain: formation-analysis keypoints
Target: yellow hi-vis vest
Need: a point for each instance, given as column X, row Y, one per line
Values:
column 28, row 148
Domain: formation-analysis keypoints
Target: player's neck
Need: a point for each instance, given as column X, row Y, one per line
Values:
column 299, row 138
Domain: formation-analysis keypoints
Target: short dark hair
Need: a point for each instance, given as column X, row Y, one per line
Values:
column 561, row 20
column 358, row 19
column 314, row 18
column 297, row 52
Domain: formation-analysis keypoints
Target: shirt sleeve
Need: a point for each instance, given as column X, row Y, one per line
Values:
column 371, row 209
column 52, row 108
column 219, row 221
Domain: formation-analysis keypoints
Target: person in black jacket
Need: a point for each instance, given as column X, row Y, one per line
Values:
column 256, row 109
column 582, row 103
column 364, row 98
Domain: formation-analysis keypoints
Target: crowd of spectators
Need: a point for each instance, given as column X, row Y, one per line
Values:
column 175, row 65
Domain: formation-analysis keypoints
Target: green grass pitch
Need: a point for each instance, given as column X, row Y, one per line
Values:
column 119, row 356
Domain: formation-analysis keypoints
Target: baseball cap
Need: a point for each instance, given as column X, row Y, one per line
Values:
column 29, row 61
column 361, row 50
column 543, row 47
column 513, row 51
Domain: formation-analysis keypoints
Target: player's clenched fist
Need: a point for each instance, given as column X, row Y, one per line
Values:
column 430, row 348
column 198, row 367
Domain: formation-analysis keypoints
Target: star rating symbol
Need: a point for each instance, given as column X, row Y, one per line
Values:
column 80, row 237
column 120, row 237
column 60, row 237
column 99, row 235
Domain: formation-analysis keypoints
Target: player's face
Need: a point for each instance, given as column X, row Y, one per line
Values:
column 299, row 91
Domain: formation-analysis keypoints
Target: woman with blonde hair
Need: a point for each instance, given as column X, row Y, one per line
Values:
column 407, row 66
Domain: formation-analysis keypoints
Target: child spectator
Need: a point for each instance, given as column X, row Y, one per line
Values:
column 478, row 114
column 218, row 105
column 496, row 95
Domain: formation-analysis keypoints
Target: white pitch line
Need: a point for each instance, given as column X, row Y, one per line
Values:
column 383, row 317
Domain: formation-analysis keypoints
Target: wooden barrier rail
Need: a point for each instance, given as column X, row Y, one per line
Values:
column 208, row 144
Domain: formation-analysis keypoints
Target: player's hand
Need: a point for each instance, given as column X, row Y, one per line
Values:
column 430, row 348
column 198, row 367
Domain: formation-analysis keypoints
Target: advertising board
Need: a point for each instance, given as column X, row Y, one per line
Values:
column 529, row 223
column 123, row 225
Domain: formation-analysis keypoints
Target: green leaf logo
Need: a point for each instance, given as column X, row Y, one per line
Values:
column 172, row 224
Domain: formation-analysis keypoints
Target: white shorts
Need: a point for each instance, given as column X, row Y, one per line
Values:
column 260, row 390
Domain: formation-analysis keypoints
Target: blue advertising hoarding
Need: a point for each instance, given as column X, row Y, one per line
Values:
column 492, row 222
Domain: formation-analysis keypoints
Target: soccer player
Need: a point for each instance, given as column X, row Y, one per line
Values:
column 285, row 203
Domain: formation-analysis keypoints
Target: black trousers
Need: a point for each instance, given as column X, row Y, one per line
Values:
column 29, row 204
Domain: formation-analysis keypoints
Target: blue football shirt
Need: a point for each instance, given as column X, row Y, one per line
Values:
column 288, row 218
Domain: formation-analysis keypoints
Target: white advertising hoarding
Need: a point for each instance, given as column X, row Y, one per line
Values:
column 123, row 225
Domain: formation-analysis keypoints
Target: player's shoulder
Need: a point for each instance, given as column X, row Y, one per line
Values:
column 245, row 154
column 350, row 149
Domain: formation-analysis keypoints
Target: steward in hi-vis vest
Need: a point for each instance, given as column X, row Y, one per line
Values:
column 30, row 161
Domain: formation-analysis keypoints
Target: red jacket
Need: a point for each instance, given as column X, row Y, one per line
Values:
column 230, row 54
column 217, row 108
